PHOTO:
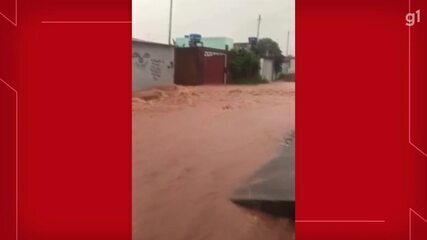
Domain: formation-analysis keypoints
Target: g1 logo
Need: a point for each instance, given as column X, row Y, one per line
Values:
column 412, row 18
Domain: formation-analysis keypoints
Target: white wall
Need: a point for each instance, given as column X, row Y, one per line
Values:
column 267, row 69
column 152, row 65
column 292, row 66
column 289, row 67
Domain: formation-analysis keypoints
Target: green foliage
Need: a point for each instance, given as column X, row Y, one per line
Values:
column 243, row 64
column 266, row 47
column 278, row 64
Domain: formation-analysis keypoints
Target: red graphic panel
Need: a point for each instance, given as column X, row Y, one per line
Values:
column 8, row 11
column 417, row 51
column 8, row 137
column 417, row 226
column 418, row 76
column 352, row 149
column 71, row 68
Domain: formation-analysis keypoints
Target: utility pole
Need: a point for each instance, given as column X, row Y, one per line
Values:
column 259, row 26
column 170, row 22
column 287, row 43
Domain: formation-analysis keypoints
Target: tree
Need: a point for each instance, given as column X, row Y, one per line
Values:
column 243, row 64
column 266, row 47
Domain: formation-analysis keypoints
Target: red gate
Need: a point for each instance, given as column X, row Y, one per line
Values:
column 214, row 69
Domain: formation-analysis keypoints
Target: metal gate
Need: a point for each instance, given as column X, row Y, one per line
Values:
column 214, row 68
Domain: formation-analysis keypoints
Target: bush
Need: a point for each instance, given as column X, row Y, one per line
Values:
column 243, row 64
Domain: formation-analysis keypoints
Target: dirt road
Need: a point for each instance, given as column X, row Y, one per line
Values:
column 192, row 146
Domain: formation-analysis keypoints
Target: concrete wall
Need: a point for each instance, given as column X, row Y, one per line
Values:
column 288, row 66
column 267, row 69
column 152, row 65
column 292, row 66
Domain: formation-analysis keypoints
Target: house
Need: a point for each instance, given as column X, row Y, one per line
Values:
column 221, row 43
column 153, row 64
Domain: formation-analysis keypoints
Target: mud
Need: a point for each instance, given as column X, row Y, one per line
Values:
column 193, row 146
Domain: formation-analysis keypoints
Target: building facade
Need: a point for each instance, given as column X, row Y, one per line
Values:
column 153, row 65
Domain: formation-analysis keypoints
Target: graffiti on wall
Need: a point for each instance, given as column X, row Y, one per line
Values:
column 156, row 68
column 141, row 61
column 153, row 65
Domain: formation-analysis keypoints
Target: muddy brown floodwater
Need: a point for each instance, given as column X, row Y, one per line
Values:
column 192, row 146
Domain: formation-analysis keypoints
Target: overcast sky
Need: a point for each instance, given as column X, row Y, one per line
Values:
column 236, row 19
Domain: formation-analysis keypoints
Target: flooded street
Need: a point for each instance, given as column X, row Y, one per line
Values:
column 193, row 146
